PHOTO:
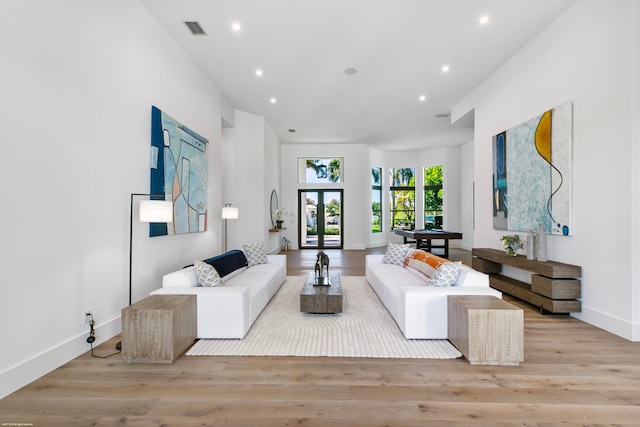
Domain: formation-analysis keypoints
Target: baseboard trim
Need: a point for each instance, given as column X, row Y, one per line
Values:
column 621, row 327
column 18, row 376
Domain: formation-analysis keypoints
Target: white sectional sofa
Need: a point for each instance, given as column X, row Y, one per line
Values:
column 420, row 310
column 229, row 310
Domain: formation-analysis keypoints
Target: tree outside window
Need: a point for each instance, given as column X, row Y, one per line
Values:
column 433, row 197
column 403, row 197
column 376, row 199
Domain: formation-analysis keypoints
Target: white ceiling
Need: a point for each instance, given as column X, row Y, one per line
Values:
column 397, row 46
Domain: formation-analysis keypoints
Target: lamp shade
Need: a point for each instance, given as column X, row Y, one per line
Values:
column 229, row 212
column 156, row 211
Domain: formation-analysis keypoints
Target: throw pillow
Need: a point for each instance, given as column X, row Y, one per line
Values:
column 424, row 262
column 446, row 274
column 206, row 274
column 255, row 254
column 395, row 254
column 228, row 262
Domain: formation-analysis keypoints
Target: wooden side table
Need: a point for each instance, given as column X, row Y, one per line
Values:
column 486, row 329
column 158, row 329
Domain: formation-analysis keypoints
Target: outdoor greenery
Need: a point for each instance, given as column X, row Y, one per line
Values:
column 403, row 197
column 376, row 199
column 330, row 172
column 432, row 195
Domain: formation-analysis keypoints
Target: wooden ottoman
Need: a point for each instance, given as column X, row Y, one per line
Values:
column 486, row 329
column 158, row 329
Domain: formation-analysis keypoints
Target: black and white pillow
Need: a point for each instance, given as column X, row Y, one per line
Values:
column 206, row 274
column 395, row 254
column 255, row 254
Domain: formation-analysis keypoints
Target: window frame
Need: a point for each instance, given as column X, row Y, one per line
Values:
column 409, row 188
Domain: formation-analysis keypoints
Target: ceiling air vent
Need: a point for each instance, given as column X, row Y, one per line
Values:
column 195, row 28
column 292, row 131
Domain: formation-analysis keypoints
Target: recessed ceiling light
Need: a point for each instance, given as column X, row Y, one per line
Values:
column 259, row 72
column 273, row 100
column 350, row 71
column 445, row 68
column 235, row 26
column 422, row 98
column 484, row 19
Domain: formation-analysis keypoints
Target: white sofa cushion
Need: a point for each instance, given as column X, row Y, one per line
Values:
column 185, row 277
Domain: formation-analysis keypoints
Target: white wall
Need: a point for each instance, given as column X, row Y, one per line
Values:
column 585, row 56
column 250, row 170
column 273, row 241
column 356, row 187
column 77, row 89
column 466, row 195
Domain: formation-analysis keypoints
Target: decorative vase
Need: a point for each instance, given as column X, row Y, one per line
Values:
column 511, row 251
column 279, row 224
column 531, row 246
column 541, row 244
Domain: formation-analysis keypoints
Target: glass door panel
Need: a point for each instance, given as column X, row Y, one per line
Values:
column 320, row 221
column 332, row 230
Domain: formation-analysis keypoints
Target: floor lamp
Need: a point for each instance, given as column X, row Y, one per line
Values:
column 152, row 210
column 228, row 212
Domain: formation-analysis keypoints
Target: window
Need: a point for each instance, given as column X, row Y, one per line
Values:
column 403, row 198
column 433, row 197
column 376, row 199
column 320, row 170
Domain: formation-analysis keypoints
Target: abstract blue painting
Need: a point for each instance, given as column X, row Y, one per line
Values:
column 532, row 174
column 179, row 171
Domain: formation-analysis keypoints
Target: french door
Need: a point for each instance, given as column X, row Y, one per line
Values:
column 320, row 223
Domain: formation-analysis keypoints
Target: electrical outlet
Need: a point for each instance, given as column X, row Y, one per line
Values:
column 86, row 316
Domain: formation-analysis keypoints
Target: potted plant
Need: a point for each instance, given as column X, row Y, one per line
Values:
column 511, row 244
column 278, row 215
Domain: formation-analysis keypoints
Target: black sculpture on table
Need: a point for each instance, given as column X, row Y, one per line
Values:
column 322, row 265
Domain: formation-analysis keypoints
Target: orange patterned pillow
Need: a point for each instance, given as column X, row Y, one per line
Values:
column 424, row 262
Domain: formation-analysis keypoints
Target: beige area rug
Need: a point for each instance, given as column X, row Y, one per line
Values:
column 364, row 329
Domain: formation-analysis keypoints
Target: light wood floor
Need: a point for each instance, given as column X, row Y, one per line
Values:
column 573, row 374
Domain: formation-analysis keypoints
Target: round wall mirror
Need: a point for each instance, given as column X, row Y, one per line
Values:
column 274, row 206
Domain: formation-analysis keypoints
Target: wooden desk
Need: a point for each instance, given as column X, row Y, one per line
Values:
column 423, row 238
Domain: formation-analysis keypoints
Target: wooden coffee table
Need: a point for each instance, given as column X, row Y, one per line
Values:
column 321, row 298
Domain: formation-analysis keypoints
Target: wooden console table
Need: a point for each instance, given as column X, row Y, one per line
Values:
column 554, row 287
column 158, row 329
